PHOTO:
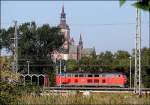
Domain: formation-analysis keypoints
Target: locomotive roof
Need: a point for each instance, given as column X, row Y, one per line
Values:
column 115, row 73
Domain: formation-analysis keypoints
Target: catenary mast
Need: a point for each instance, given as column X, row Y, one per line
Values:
column 137, row 78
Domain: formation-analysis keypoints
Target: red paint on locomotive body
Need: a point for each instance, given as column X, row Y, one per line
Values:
column 86, row 79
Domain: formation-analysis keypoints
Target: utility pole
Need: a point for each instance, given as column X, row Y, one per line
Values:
column 0, row 45
column 57, row 69
column 0, row 51
column 137, row 76
column 16, row 48
column 60, row 73
column 28, row 66
column 149, row 29
column 130, row 71
column 64, row 68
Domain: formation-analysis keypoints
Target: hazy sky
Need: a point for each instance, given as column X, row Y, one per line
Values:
column 103, row 24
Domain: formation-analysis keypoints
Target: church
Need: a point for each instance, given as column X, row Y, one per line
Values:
column 69, row 49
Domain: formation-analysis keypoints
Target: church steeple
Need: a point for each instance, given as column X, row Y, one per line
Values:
column 63, row 17
column 63, row 24
column 80, row 42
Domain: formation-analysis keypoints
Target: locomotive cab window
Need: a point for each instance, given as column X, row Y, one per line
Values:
column 103, row 75
column 96, row 75
column 90, row 75
column 76, row 75
column 81, row 75
column 69, row 75
column 72, row 75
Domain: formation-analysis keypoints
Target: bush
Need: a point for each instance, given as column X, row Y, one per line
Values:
column 8, row 93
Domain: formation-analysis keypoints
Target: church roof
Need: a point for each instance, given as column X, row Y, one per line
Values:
column 73, row 49
column 88, row 51
column 62, row 50
column 80, row 40
column 63, row 26
column 72, row 40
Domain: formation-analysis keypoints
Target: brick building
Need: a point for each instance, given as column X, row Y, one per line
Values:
column 69, row 49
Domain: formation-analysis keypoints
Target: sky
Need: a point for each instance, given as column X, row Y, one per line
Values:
column 103, row 24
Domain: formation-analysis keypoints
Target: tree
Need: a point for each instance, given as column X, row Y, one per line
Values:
column 145, row 56
column 145, row 66
column 105, row 60
column 72, row 65
column 141, row 4
column 84, row 63
column 121, row 61
column 8, row 93
column 5, row 63
column 34, row 44
column 0, row 42
column 5, row 37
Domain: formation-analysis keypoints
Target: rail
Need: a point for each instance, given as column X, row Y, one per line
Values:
column 94, row 88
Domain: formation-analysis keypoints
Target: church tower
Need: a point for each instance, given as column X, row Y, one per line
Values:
column 65, row 30
column 80, row 48
column 81, row 42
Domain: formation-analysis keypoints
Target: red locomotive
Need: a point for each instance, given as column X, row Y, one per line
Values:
column 89, row 79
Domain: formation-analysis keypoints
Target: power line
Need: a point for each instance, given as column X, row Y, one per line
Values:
column 81, row 65
column 87, row 24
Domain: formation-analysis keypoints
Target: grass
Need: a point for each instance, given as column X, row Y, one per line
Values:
column 78, row 99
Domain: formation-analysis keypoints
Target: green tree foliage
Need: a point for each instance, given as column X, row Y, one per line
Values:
column 0, row 41
column 11, row 93
column 88, row 64
column 72, row 65
column 145, row 54
column 7, row 93
column 10, row 87
column 5, row 63
column 141, row 4
column 117, row 62
column 6, row 38
column 121, row 60
column 6, row 73
column 35, row 44
column 105, row 60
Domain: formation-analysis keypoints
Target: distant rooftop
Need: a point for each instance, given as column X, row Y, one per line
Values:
column 73, row 49
column 88, row 51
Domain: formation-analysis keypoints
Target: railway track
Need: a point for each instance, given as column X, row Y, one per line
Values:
column 95, row 89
